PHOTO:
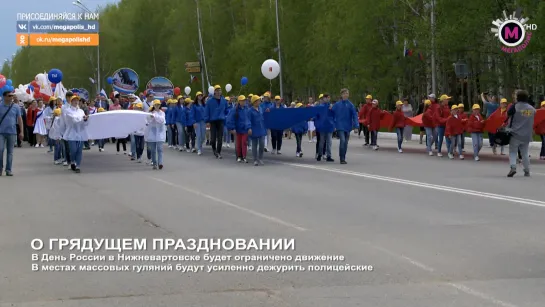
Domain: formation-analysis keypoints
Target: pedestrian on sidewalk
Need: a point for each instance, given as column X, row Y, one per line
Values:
column 521, row 120
column 10, row 117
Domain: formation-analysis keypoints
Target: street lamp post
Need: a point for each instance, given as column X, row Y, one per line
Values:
column 279, row 52
column 79, row 4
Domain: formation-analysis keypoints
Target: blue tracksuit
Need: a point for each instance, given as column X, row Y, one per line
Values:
column 170, row 115
column 198, row 112
column 238, row 120
column 265, row 105
column 257, row 123
column 346, row 116
column 215, row 109
column 325, row 124
column 189, row 116
column 178, row 114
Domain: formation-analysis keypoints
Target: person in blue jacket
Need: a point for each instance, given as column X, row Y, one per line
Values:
column 170, row 121
column 238, row 122
column 189, row 125
column 199, row 126
column 265, row 105
column 325, row 125
column 214, row 116
column 346, row 120
column 178, row 121
column 226, row 134
column 257, row 130
column 277, row 135
column 299, row 130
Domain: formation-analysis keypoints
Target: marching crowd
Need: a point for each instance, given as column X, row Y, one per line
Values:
column 186, row 125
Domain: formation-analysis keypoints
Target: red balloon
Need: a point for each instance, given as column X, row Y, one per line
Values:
column 2, row 81
column 28, row 90
column 37, row 90
column 177, row 91
column 34, row 84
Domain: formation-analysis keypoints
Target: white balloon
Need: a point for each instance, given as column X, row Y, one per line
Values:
column 187, row 90
column 228, row 88
column 270, row 69
column 211, row 90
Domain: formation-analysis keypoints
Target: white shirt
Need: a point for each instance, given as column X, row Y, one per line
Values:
column 76, row 127
column 156, row 129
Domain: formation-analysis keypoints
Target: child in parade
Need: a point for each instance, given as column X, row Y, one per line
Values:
column 373, row 122
column 325, row 127
column 475, row 127
column 277, row 135
column 189, row 125
column 179, row 118
column 76, row 132
column 226, row 134
column 139, row 135
column 200, row 126
column 453, row 132
column 55, row 134
column 399, row 124
column 463, row 116
column 441, row 116
column 101, row 141
column 238, row 122
column 156, row 134
column 299, row 130
column 257, row 131
column 502, row 112
column 429, row 124
column 170, row 121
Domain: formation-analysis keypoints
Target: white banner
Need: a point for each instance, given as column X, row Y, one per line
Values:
column 115, row 124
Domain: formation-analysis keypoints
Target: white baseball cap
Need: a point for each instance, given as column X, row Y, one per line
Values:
column 431, row 96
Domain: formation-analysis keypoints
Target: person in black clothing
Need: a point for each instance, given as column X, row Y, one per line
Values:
column 418, row 112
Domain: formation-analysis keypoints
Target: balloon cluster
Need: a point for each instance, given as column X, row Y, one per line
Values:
column 6, row 85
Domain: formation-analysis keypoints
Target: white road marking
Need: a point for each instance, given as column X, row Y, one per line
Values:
column 229, row 204
column 481, row 295
column 512, row 199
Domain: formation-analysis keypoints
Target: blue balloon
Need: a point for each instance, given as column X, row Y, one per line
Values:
column 11, row 88
column 31, row 88
column 54, row 76
column 9, row 82
column 110, row 80
column 244, row 81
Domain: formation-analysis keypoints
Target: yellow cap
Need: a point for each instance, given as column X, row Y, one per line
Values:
column 543, row 103
column 454, row 107
column 461, row 105
column 180, row 97
column 139, row 105
column 100, row 110
column 255, row 98
column 198, row 93
column 399, row 103
column 299, row 105
column 241, row 97
column 157, row 102
column 476, row 107
column 267, row 94
column 503, row 100
column 57, row 112
column 278, row 97
column 368, row 97
column 427, row 102
column 321, row 96
column 217, row 87
column 250, row 95
column 444, row 97
column 74, row 97
column 52, row 98
column 228, row 98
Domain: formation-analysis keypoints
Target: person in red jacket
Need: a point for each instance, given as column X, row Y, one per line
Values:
column 475, row 126
column 429, row 125
column 463, row 116
column 373, row 119
column 539, row 129
column 399, row 124
column 362, row 116
column 441, row 115
column 453, row 132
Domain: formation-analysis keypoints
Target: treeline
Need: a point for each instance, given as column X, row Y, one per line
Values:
column 326, row 45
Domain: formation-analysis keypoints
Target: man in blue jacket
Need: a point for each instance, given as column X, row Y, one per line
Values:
column 325, row 127
column 266, row 104
column 214, row 116
column 346, row 120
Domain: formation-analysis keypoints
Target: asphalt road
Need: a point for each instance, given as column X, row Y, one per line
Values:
column 436, row 232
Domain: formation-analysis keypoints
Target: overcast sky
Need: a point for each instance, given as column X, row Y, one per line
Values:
column 8, row 17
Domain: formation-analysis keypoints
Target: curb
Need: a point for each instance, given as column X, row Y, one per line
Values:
column 393, row 136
